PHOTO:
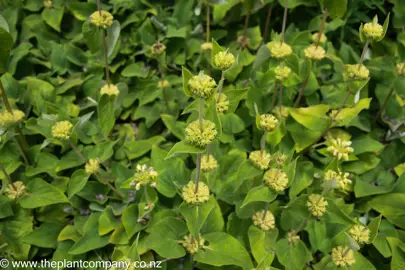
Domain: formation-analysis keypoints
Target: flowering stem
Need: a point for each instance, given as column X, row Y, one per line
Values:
column 284, row 21
column 322, row 27
column 263, row 143
column 273, row 103
column 105, row 47
column 207, row 28
column 7, row 178
column 20, row 149
column 201, row 114
column 197, row 174
column 267, row 25
column 304, row 85
column 280, row 101
column 105, row 182
column 77, row 151
column 385, row 103
column 246, row 24
column 363, row 53
column 349, row 92
column 265, row 210
column 5, row 99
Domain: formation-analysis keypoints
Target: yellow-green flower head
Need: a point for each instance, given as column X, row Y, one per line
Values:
column 15, row 190
column 281, row 112
column 342, row 179
column 280, row 159
column 317, row 205
column 198, row 137
column 102, row 19
column 206, row 46
column 8, row 119
column 61, row 130
column 201, row 85
column 292, row 237
column 163, row 84
column 92, row 166
column 260, row 160
column 358, row 71
column 342, row 256
column 224, row 60
column 279, row 50
column 400, row 68
column 340, row 148
column 191, row 244
column 48, row 3
column 373, row 30
column 144, row 175
column 314, row 38
column 276, row 179
column 109, row 89
column 268, row 122
column 282, row 72
column 264, row 220
column 158, row 48
column 314, row 52
column 222, row 103
column 360, row 233
column 208, row 163
column 191, row 197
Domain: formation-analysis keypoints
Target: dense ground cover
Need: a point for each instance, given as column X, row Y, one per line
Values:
column 212, row 134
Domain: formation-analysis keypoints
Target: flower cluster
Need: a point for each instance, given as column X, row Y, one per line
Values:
column 92, row 166
column 202, row 86
column 357, row 71
column 190, row 195
column 102, row 19
column 144, row 175
column 268, row 122
column 224, row 60
column 342, row 179
column 282, row 72
column 360, row 233
column 15, row 190
column 281, row 111
column 340, row 148
column 280, row 159
column 315, row 37
column 276, row 179
column 61, row 130
column 400, row 68
column 317, row 205
column 191, row 244
column 314, row 52
column 109, row 89
column 206, row 46
column 11, row 118
column 260, row 159
column 208, row 163
column 158, row 48
column 292, row 237
column 342, row 256
column 198, row 137
column 373, row 30
column 279, row 50
column 264, row 220
column 222, row 103
column 163, row 84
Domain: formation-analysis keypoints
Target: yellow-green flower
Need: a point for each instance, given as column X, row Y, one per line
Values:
column 48, row 3
column 208, row 163
column 342, row 179
column 280, row 159
column 158, row 48
column 102, row 19
column 276, row 179
column 191, row 244
column 61, row 130
column 260, row 160
column 206, row 46
column 314, row 52
column 109, row 89
column 264, row 220
column 198, row 137
column 224, row 60
column 315, row 36
column 15, row 190
column 281, row 111
column 279, row 50
column 343, row 256
column 92, row 166
column 8, row 119
column 201, row 85
column 268, row 122
column 317, row 205
column 163, row 84
column 358, row 71
column 340, row 148
column 373, row 30
column 360, row 233
column 292, row 237
column 191, row 197
column 144, row 175
column 400, row 68
column 222, row 103
column 282, row 72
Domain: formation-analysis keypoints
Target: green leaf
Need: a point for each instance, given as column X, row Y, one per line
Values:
column 40, row 193
column 77, row 182
column 260, row 194
column 5, row 207
column 385, row 26
column 216, row 48
column 187, row 75
column 262, row 245
column 53, row 17
column 138, row 148
column 336, row 8
column 366, row 144
column 113, row 33
column 373, row 226
column 44, row 236
column 135, row 70
column 390, row 206
column 106, row 116
column 130, row 220
column 292, row 256
column 184, row 148
column 314, row 117
column 107, row 221
column 346, row 115
column 196, row 215
column 176, row 127
column 223, row 249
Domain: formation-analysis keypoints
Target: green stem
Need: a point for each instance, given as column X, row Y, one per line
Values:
column 21, row 150
column 273, row 103
column 363, row 53
column 7, row 179
column 304, row 85
column 105, row 182
column 207, row 27
column 197, row 174
column 107, row 68
column 280, row 101
column 77, row 151
column 284, row 21
column 263, row 143
column 322, row 26
column 201, row 112
column 342, row 105
column 385, row 103
column 267, row 25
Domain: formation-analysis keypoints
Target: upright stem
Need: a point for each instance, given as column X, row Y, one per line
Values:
column 221, row 85
column 77, row 151
column 349, row 92
column 6, row 175
column 263, row 143
column 105, row 182
column 107, row 68
column 197, row 174
column 267, row 25
column 304, row 85
column 363, row 53
column 284, row 21
column 246, row 23
column 201, row 113
column 207, row 28
column 280, row 101
column 273, row 103
column 385, row 103
column 322, row 26
column 5, row 99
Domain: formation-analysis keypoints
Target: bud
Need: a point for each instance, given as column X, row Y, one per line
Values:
column 158, row 48
column 163, row 84
column 206, row 46
column 317, row 205
column 357, row 71
column 276, row 179
column 208, row 163
column 92, row 166
column 102, row 19
column 268, row 122
column 15, row 190
column 292, row 237
column 280, row 159
column 191, row 197
column 222, row 103
column 61, row 130
column 315, row 36
column 48, row 3
column 224, row 60
column 282, row 72
column 109, row 89
column 340, row 148
column 279, row 50
column 264, row 220
column 314, row 52
column 342, row 256
column 198, row 137
column 201, row 85
column 400, row 68
column 360, row 233
column 260, row 160
column 191, row 244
